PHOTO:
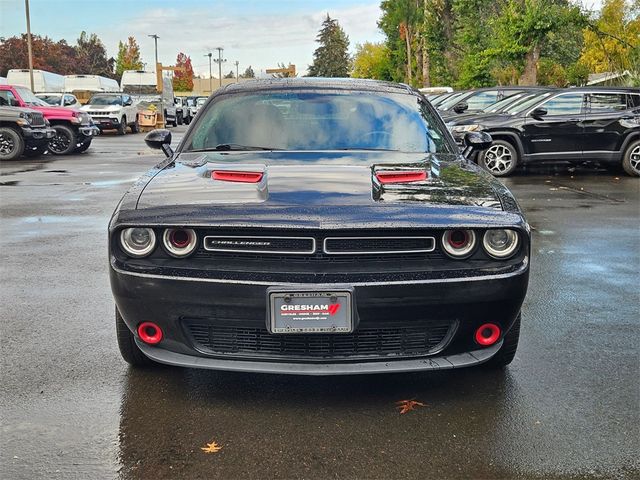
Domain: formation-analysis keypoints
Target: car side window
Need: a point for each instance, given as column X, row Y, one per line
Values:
column 634, row 100
column 7, row 99
column 567, row 104
column 607, row 102
column 482, row 99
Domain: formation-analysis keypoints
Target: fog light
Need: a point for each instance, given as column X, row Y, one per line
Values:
column 487, row 334
column 149, row 333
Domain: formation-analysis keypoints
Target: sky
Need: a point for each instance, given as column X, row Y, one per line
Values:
column 252, row 32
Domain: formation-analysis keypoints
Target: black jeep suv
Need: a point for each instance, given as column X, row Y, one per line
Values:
column 573, row 125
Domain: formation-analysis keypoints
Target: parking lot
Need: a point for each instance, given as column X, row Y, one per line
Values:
column 71, row 408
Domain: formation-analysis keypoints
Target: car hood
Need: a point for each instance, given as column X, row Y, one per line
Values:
column 105, row 108
column 56, row 112
column 319, row 180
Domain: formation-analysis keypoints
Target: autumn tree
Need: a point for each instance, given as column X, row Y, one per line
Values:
column 371, row 60
column 128, row 57
column 331, row 58
column 183, row 78
column 248, row 73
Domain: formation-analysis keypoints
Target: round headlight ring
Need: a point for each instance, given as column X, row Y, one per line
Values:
column 138, row 242
column 179, row 242
column 459, row 243
column 506, row 248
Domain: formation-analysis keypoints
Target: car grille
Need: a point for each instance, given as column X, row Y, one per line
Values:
column 37, row 119
column 99, row 114
column 420, row 339
column 260, row 244
column 378, row 245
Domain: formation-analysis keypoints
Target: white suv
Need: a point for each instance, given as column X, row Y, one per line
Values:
column 113, row 111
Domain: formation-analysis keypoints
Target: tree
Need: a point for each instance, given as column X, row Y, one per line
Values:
column 92, row 56
column 128, row 57
column 248, row 73
column 183, row 79
column 612, row 39
column 231, row 74
column 331, row 58
column 371, row 60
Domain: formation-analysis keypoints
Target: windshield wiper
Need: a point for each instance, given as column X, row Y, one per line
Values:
column 224, row 147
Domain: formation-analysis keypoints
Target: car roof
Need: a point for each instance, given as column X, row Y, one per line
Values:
column 320, row 84
column 604, row 89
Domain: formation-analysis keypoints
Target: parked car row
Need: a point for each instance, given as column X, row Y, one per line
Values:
column 534, row 124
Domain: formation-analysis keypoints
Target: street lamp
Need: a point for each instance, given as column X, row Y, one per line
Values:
column 155, row 39
column 210, row 86
column 220, row 61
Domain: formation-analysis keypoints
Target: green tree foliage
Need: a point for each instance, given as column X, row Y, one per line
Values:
column 248, row 73
column 331, row 58
column 371, row 60
column 92, row 56
column 183, row 79
column 128, row 57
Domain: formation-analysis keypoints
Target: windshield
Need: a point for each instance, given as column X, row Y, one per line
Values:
column 50, row 99
column 304, row 120
column 440, row 98
column 451, row 101
column 29, row 98
column 200, row 101
column 526, row 103
column 105, row 100
column 505, row 102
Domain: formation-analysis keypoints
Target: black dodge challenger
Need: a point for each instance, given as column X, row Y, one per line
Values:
column 318, row 226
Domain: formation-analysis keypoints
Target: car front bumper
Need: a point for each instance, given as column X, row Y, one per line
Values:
column 173, row 302
column 38, row 134
column 89, row 130
column 106, row 123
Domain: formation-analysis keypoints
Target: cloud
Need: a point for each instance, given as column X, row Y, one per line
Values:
column 257, row 39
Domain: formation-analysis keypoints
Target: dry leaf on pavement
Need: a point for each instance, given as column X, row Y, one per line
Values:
column 407, row 405
column 212, row 447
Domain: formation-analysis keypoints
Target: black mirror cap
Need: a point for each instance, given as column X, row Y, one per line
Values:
column 158, row 138
column 539, row 112
column 461, row 107
column 478, row 141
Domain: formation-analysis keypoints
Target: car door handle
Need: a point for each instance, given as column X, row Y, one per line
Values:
column 576, row 120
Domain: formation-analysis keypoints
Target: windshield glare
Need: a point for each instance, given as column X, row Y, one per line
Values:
column 29, row 98
column 524, row 104
column 105, row 100
column 500, row 104
column 319, row 121
column 50, row 99
column 451, row 101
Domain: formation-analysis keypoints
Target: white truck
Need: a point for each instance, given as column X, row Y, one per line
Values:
column 60, row 99
column 143, row 86
column 113, row 111
column 43, row 81
column 83, row 86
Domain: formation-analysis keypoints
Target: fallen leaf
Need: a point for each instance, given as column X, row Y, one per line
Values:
column 212, row 447
column 407, row 405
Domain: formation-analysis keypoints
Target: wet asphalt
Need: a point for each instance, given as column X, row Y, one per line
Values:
column 568, row 406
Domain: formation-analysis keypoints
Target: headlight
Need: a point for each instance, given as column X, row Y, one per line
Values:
column 500, row 243
column 24, row 120
column 466, row 128
column 138, row 242
column 179, row 242
column 459, row 243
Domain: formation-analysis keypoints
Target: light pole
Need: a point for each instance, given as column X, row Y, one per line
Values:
column 210, row 85
column 29, row 50
column 220, row 61
column 237, row 77
column 155, row 40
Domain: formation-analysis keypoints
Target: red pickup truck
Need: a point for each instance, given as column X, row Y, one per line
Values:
column 74, row 128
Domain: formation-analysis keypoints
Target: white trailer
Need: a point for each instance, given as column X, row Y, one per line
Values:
column 83, row 86
column 138, row 82
column 43, row 81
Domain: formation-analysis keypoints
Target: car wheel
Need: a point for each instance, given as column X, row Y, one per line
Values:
column 508, row 349
column 11, row 144
column 135, row 127
column 35, row 151
column 631, row 159
column 84, row 145
column 122, row 128
column 64, row 142
column 130, row 352
column 180, row 121
column 500, row 159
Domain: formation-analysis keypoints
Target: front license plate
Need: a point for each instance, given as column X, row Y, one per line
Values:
column 310, row 312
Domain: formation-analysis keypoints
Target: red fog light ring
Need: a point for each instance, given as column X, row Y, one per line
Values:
column 459, row 243
column 487, row 334
column 150, row 333
column 179, row 242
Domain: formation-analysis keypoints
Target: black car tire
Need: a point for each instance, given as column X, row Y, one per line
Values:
column 135, row 126
column 187, row 120
column 64, row 142
column 86, row 143
column 508, row 349
column 127, row 345
column 11, row 144
column 631, row 159
column 35, row 151
column 122, row 128
column 180, row 119
column 500, row 159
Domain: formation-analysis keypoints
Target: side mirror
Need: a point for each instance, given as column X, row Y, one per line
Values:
column 539, row 112
column 460, row 107
column 128, row 103
column 160, row 139
column 477, row 141
column 14, row 103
